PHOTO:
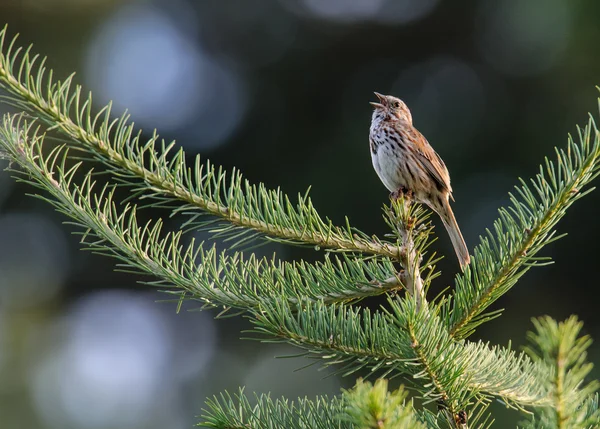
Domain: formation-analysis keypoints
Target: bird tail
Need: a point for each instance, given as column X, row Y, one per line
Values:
column 449, row 221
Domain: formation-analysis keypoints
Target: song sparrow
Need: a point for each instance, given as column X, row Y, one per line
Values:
column 405, row 162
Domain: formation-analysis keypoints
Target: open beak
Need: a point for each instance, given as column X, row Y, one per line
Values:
column 381, row 97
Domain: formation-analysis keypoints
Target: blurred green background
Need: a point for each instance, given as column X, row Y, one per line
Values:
column 280, row 89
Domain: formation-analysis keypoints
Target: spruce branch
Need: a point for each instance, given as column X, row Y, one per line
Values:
column 365, row 406
column 522, row 230
column 589, row 412
column 215, row 278
column 372, row 406
column 307, row 304
column 237, row 412
column 408, row 342
column 413, row 230
column 165, row 177
column 574, row 403
column 477, row 417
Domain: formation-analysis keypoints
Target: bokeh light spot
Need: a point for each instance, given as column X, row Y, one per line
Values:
column 119, row 360
column 343, row 10
column 146, row 64
column 405, row 11
column 109, row 371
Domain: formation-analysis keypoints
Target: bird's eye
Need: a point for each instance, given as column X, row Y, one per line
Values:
column 396, row 104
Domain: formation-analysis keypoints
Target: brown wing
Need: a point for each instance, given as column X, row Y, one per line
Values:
column 431, row 161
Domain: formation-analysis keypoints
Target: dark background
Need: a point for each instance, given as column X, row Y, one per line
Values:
column 280, row 89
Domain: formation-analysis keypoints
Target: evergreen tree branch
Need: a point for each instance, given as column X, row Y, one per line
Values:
column 406, row 342
column 167, row 178
column 369, row 406
column 226, row 412
column 574, row 403
column 365, row 406
column 522, row 230
column 305, row 304
column 413, row 229
column 216, row 279
column 477, row 417
column 589, row 413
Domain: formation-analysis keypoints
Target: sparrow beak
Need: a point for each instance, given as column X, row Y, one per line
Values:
column 381, row 99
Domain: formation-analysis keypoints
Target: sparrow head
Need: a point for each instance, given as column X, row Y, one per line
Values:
column 392, row 107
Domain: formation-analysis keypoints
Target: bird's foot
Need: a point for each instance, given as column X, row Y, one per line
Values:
column 402, row 192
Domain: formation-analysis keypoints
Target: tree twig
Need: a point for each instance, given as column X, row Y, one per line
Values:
column 408, row 227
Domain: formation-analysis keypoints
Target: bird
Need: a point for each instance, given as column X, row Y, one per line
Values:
column 407, row 164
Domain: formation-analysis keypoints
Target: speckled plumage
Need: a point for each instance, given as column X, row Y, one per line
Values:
column 405, row 161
